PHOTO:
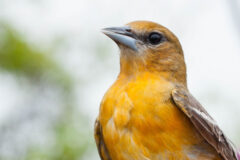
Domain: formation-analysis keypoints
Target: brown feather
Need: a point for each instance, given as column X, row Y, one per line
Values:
column 102, row 149
column 204, row 123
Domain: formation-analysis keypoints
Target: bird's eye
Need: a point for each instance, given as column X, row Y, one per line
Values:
column 155, row 38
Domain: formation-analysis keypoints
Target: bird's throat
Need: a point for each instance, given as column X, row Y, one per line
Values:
column 132, row 66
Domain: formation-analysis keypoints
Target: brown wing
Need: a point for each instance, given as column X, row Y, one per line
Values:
column 204, row 123
column 102, row 149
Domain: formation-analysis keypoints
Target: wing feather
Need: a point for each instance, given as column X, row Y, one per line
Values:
column 102, row 149
column 204, row 123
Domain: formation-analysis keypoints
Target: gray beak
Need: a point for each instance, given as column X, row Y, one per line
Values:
column 122, row 36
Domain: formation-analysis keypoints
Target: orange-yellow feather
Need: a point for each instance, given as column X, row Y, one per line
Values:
column 138, row 117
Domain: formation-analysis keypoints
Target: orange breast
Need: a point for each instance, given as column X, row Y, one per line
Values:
column 141, row 122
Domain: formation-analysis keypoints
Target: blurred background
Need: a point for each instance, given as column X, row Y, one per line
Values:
column 56, row 65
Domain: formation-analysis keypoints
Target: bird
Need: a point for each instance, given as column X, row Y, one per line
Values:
column 148, row 113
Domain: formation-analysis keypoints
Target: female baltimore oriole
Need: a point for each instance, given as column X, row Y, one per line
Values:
column 148, row 113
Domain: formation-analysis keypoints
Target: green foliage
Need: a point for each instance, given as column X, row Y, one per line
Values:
column 71, row 142
column 21, row 59
column 71, row 134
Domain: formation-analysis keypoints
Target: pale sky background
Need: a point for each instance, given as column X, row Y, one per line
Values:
column 206, row 29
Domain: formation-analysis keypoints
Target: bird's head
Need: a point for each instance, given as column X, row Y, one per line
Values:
column 149, row 47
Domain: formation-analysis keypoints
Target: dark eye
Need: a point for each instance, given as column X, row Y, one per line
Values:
column 155, row 38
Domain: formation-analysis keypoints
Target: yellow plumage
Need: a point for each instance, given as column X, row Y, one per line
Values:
column 139, row 118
